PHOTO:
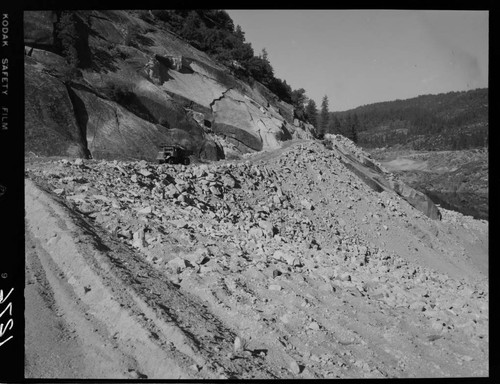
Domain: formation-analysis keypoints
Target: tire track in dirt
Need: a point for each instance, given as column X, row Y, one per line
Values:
column 153, row 324
column 315, row 273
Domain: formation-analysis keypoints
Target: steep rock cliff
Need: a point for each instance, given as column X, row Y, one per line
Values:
column 137, row 86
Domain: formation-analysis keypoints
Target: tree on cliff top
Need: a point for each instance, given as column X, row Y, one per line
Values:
column 312, row 113
column 351, row 127
column 299, row 100
column 71, row 39
column 334, row 125
column 323, row 118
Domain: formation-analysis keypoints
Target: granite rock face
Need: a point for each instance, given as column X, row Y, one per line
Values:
column 127, row 98
column 418, row 199
column 51, row 127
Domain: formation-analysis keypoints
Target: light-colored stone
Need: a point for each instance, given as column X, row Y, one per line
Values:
column 139, row 240
column 215, row 190
column 275, row 287
column 177, row 265
column 314, row 326
column 307, row 204
column 238, row 344
column 145, row 211
column 179, row 223
column 144, row 172
column 294, row 367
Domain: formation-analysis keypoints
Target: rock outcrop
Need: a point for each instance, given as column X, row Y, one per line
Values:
column 51, row 128
column 418, row 199
column 129, row 96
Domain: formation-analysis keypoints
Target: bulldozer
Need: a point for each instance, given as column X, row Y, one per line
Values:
column 173, row 154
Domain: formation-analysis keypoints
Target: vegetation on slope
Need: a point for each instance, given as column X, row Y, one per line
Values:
column 449, row 121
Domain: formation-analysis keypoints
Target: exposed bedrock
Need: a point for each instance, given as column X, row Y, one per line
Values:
column 51, row 128
column 136, row 86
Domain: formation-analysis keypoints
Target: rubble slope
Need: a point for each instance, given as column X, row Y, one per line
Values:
column 284, row 264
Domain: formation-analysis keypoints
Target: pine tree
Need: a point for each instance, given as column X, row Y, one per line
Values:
column 239, row 34
column 67, row 37
column 347, row 126
column 264, row 55
column 312, row 113
column 299, row 100
column 332, row 124
column 323, row 118
column 336, row 124
column 191, row 30
column 354, row 128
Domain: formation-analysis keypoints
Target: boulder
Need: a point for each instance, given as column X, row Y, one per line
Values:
column 256, row 232
column 228, row 181
column 176, row 265
column 294, row 367
column 267, row 227
column 139, row 239
column 307, row 204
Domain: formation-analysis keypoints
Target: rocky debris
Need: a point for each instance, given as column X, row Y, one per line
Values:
column 374, row 175
column 294, row 367
column 238, row 344
column 238, row 236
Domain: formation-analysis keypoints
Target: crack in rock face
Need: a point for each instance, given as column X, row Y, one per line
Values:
column 179, row 78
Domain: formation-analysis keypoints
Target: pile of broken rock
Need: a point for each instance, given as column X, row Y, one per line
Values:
column 279, row 248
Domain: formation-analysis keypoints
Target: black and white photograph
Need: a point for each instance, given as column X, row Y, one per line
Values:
column 237, row 194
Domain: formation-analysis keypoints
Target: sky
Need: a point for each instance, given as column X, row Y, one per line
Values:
column 358, row 57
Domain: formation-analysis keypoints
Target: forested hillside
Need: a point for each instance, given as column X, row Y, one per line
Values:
column 448, row 121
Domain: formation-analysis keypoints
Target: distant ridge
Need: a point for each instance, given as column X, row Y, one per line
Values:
column 446, row 121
